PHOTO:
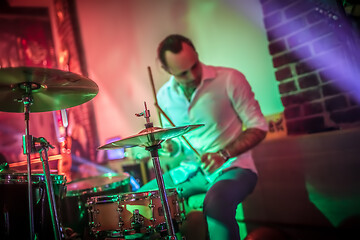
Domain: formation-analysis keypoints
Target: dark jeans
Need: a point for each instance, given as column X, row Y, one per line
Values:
column 221, row 200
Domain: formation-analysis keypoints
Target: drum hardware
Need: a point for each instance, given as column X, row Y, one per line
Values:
column 178, row 217
column 137, row 220
column 151, row 138
column 25, row 90
column 121, row 222
column 152, row 207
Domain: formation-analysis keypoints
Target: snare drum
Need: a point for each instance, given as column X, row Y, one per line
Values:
column 74, row 211
column 133, row 213
column 14, row 207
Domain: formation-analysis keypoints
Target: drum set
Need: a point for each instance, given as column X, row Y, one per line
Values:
column 100, row 207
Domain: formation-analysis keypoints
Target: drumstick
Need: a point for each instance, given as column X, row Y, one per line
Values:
column 206, row 174
column 160, row 111
column 172, row 124
column 154, row 92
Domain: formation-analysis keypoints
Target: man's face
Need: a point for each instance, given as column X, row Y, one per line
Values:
column 184, row 66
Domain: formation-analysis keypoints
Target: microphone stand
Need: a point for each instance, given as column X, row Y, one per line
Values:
column 44, row 147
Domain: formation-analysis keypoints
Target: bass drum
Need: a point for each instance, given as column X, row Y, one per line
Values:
column 74, row 210
column 14, row 207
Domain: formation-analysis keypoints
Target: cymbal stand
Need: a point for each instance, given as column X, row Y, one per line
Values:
column 44, row 147
column 160, row 181
column 27, row 100
column 158, row 174
column 29, row 147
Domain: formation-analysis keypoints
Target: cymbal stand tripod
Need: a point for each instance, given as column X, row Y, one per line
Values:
column 29, row 147
column 158, row 174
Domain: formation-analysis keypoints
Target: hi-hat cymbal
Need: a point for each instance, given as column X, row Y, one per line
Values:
column 149, row 137
column 50, row 89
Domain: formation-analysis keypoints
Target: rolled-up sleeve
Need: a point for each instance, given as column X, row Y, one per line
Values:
column 244, row 102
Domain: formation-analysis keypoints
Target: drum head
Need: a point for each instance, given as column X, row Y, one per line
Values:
column 97, row 184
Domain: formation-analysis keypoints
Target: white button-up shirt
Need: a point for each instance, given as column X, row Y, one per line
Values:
column 224, row 102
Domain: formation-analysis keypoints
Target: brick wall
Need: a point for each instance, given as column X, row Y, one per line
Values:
column 314, row 56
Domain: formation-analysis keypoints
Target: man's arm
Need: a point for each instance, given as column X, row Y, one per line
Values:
column 247, row 140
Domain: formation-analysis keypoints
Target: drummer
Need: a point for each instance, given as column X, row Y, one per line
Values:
column 222, row 99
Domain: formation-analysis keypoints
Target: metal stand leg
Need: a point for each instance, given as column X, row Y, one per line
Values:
column 160, row 181
column 29, row 147
column 49, row 189
column 27, row 150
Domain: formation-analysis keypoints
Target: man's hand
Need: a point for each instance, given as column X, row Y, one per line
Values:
column 212, row 161
column 168, row 146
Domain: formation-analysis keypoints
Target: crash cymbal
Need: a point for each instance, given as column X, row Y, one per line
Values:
column 50, row 89
column 149, row 137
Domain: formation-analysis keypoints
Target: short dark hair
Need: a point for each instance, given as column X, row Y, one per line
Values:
column 172, row 43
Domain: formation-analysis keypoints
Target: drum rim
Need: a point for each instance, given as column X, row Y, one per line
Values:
column 97, row 189
column 18, row 178
column 133, row 196
column 103, row 199
column 146, row 194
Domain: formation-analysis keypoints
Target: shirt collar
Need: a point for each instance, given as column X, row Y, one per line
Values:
column 207, row 73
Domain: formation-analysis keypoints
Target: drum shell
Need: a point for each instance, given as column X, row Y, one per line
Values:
column 115, row 214
column 104, row 213
column 150, row 207
column 14, row 207
column 74, row 209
